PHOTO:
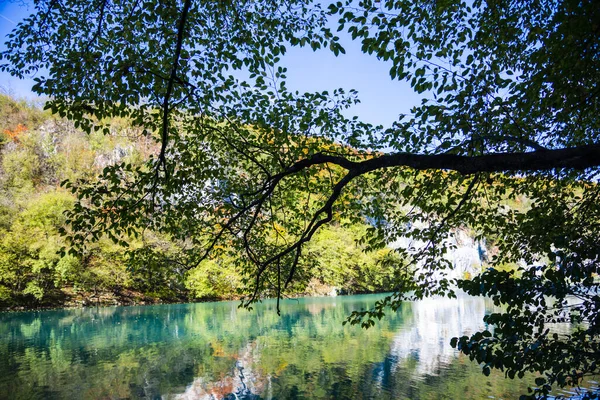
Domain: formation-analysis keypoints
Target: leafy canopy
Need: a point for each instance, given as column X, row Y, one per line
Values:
column 512, row 110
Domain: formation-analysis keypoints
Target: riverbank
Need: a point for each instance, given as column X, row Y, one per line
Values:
column 69, row 298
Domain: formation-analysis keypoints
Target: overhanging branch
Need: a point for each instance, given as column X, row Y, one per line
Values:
column 581, row 157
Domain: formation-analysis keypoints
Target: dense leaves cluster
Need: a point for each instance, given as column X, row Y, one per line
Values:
column 511, row 111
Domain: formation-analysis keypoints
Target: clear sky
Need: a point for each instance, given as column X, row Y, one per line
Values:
column 11, row 12
column 382, row 99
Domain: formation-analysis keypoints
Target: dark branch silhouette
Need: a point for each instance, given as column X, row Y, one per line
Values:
column 170, row 84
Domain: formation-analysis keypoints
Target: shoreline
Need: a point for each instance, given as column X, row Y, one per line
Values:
column 112, row 299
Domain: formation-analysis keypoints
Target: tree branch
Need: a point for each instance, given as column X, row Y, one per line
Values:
column 580, row 157
column 522, row 140
column 171, row 84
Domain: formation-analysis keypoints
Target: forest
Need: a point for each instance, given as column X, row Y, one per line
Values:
column 40, row 150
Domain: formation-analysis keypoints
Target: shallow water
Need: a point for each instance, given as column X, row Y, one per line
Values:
column 217, row 351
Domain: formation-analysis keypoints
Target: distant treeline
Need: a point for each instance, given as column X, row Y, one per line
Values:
column 39, row 150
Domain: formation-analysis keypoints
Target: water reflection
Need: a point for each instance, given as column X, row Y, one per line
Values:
column 433, row 322
column 216, row 351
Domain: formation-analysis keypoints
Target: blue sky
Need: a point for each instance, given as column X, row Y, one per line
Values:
column 11, row 12
column 382, row 99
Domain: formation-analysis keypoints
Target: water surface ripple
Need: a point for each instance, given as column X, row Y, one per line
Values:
column 217, row 351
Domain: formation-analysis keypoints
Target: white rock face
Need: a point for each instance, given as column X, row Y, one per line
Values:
column 113, row 157
column 465, row 260
column 465, row 254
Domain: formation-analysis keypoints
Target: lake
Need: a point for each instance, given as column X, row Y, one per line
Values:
column 217, row 351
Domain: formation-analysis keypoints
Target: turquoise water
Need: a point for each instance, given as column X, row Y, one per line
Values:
column 217, row 351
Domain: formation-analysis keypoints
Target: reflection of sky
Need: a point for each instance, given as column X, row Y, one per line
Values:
column 435, row 321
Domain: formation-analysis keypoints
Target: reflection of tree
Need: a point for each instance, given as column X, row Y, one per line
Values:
column 216, row 351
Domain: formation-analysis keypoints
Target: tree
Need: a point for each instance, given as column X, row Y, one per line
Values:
column 512, row 110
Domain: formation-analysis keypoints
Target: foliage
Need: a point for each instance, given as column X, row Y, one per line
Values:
column 213, row 278
column 18, row 116
column 29, row 261
column 512, row 110
column 339, row 262
column 32, row 272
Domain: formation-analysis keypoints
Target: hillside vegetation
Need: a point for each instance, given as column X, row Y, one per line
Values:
column 40, row 150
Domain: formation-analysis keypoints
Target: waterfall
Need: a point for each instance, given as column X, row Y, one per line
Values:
column 466, row 254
